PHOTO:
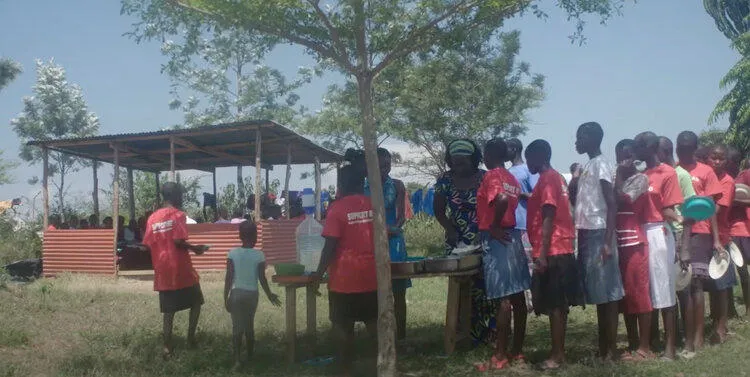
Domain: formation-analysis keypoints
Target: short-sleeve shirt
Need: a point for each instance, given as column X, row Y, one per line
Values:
column 740, row 214
column 591, row 206
column 173, row 268
column 551, row 189
column 631, row 215
column 705, row 183
column 663, row 192
column 686, row 186
column 725, row 204
column 352, row 270
column 245, row 262
column 496, row 182
column 527, row 182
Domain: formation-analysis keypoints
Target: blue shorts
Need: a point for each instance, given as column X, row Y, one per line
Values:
column 602, row 282
column 506, row 268
column 397, row 248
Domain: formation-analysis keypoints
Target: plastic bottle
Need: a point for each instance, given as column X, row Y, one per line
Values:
column 309, row 240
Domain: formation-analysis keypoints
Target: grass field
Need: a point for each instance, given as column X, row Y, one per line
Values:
column 87, row 326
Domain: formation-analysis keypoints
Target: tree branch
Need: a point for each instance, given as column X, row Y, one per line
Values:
column 331, row 29
column 284, row 34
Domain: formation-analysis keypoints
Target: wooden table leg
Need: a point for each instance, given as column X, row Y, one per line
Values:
column 291, row 323
column 464, row 316
column 312, row 313
column 451, row 314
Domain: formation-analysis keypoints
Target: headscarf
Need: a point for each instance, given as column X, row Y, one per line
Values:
column 461, row 148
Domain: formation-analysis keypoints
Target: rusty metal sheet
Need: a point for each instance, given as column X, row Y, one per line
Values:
column 81, row 251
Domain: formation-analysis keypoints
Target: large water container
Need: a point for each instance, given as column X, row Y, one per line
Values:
column 309, row 240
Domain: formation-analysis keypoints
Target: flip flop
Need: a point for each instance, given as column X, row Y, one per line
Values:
column 493, row 364
column 637, row 356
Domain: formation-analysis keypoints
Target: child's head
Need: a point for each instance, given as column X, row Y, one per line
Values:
column 589, row 137
column 624, row 150
column 646, row 146
column 687, row 145
column 538, row 155
column 734, row 161
column 717, row 158
column 666, row 150
column 495, row 153
column 248, row 233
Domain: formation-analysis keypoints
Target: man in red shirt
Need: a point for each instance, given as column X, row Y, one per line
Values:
column 349, row 258
column 721, row 288
column 174, row 276
column 703, row 240
column 506, row 268
column 555, row 284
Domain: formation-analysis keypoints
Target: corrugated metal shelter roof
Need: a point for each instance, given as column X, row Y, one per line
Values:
column 200, row 148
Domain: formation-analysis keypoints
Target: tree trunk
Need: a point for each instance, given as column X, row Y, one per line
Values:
column 240, row 188
column 386, row 321
column 61, row 194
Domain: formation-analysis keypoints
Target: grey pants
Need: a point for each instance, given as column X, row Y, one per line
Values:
column 242, row 307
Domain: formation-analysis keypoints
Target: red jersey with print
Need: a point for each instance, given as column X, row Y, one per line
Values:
column 663, row 192
column 352, row 270
column 725, row 203
column 739, row 216
column 552, row 190
column 705, row 183
column 498, row 181
column 173, row 268
column 631, row 215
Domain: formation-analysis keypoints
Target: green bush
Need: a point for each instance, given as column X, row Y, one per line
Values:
column 19, row 241
column 424, row 236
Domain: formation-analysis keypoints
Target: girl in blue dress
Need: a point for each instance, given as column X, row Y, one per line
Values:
column 394, row 194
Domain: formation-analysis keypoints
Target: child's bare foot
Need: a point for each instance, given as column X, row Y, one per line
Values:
column 550, row 364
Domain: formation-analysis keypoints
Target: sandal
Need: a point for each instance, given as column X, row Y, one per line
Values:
column 493, row 364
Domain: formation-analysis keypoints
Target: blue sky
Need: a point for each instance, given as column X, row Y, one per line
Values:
column 655, row 68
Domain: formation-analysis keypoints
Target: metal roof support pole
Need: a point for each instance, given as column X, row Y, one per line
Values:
column 216, row 199
column 116, row 201
column 131, row 195
column 171, row 160
column 95, row 190
column 268, row 182
column 158, row 190
column 45, row 185
column 288, row 199
column 258, row 191
column 318, row 206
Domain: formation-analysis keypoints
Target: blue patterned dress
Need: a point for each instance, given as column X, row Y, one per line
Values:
column 462, row 213
column 396, row 243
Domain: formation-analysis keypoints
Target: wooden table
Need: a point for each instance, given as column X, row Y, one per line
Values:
column 459, row 299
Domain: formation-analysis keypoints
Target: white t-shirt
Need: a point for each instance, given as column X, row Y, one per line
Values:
column 591, row 208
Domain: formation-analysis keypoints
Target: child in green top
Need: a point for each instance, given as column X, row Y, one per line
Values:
column 245, row 266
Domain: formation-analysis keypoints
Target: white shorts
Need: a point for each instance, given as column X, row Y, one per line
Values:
column 661, row 266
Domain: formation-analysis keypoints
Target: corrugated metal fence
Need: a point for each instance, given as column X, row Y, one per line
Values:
column 92, row 251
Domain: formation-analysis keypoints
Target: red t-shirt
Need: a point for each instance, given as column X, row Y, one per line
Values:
column 739, row 216
column 725, row 203
column 173, row 268
column 551, row 189
column 705, row 183
column 352, row 270
column 663, row 192
column 496, row 182
column 631, row 215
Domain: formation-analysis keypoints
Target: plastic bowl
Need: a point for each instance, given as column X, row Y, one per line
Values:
column 698, row 208
column 289, row 269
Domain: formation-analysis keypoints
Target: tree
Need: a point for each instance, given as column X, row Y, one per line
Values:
column 361, row 39
column 477, row 91
column 731, row 18
column 220, row 69
column 9, row 70
column 56, row 110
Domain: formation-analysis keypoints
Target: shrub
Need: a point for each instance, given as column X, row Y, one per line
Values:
column 19, row 241
column 424, row 236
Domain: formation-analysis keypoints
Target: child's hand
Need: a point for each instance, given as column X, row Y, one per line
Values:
column 274, row 300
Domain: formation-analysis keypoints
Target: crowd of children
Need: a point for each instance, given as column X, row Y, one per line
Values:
column 613, row 237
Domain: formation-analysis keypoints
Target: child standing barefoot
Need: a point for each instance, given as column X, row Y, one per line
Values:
column 245, row 266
